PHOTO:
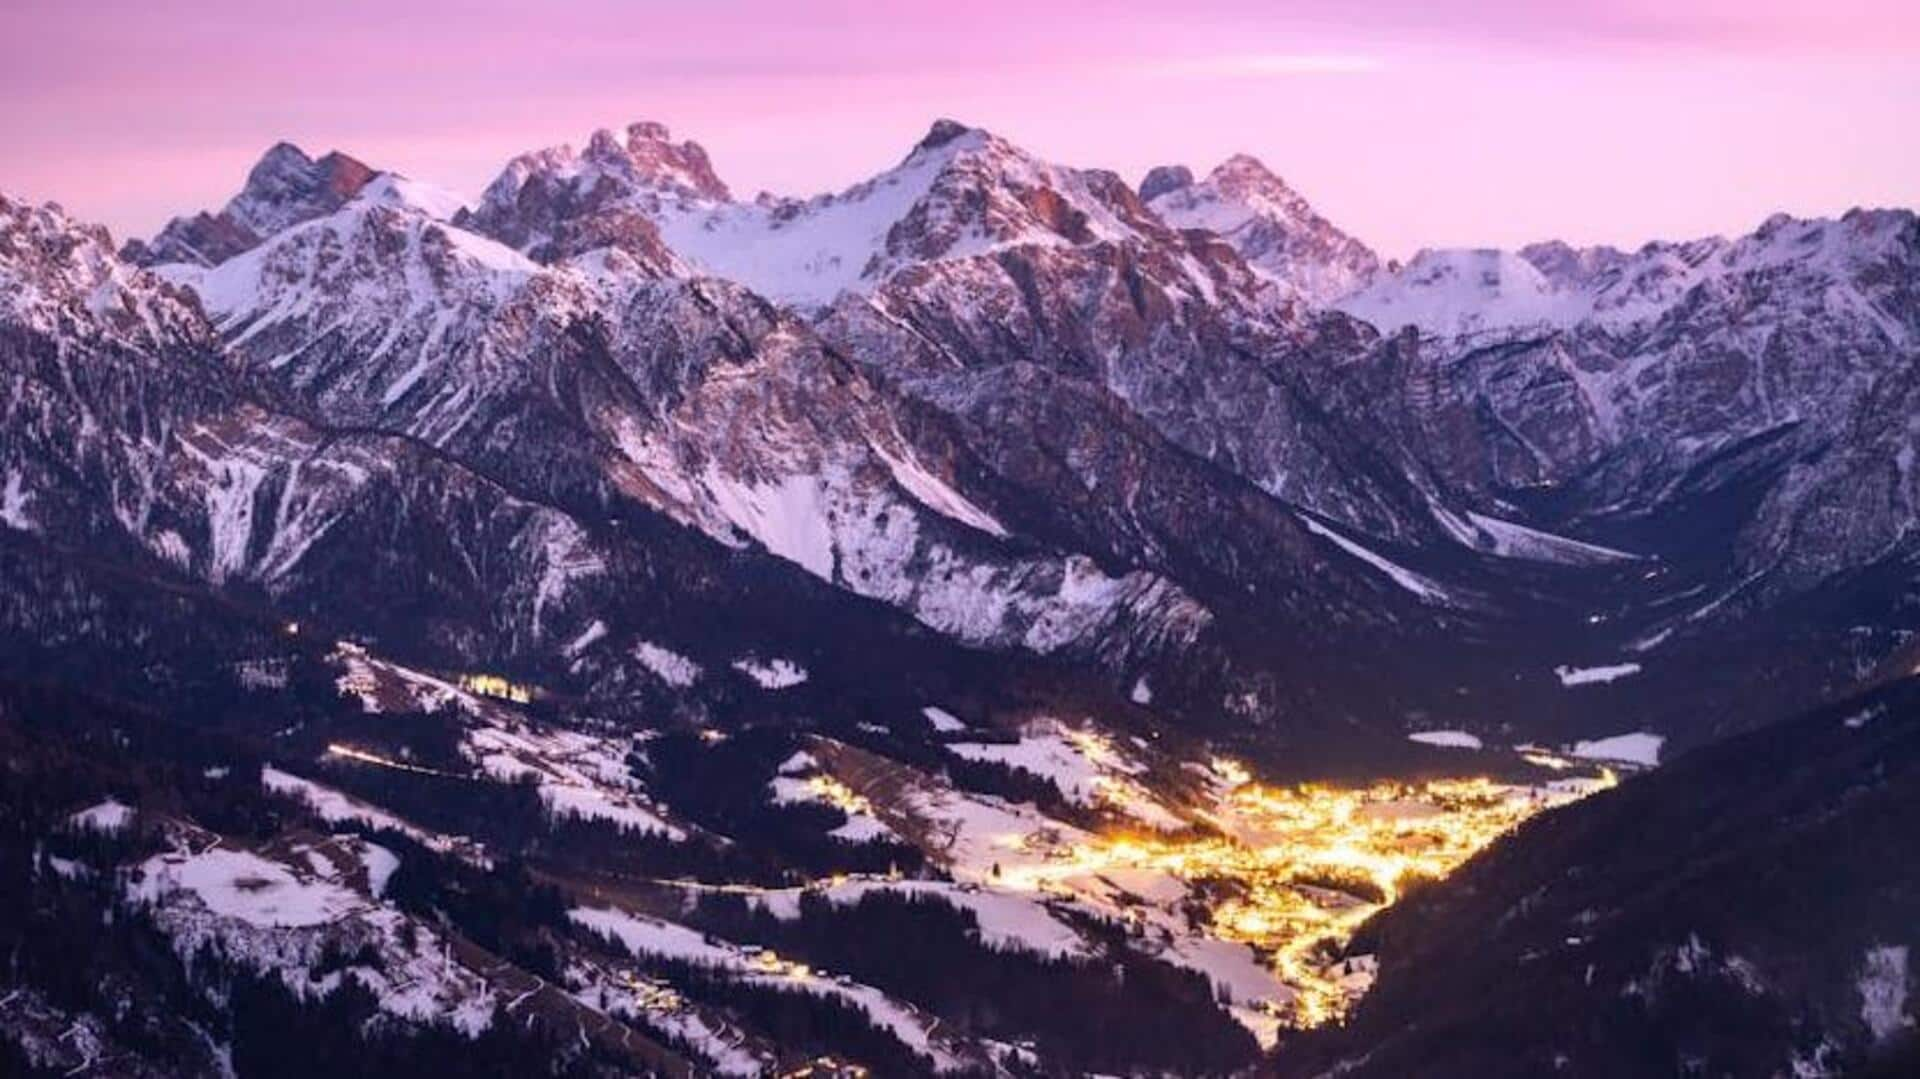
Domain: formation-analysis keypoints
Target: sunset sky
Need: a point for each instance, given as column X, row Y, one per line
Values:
column 1410, row 124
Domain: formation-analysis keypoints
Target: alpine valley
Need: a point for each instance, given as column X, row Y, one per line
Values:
column 992, row 620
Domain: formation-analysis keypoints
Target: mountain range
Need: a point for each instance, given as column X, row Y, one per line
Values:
column 1008, row 496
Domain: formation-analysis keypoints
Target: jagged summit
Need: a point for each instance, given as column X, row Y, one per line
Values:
column 959, row 191
column 284, row 188
column 1270, row 224
column 943, row 132
column 286, row 183
column 645, row 159
column 557, row 202
column 60, row 276
column 649, row 156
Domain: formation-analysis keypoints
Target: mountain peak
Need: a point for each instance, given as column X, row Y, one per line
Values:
column 556, row 203
column 1246, row 175
column 1164, row 178
column 1244, row 164
column 61, row 275
column 1273, row 228
column 646, row 158
column 285, row 174
column 281, row 156
column 283, row 188
column 648, row 131
column 941, row 133
column 678, row 166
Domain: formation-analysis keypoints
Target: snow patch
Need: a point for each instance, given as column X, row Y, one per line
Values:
column 380, row 864
column 594, row 631
column 943, row 721
column 248, row 888
column 592, row 803
column 287, row 918
column 1413, row 582
column 772, row 674
column 1510, row 540
column 110, row 817
column 1446, row 739
column 1863, row 717
column 789, row 517
column 1883, row 992
column 1586, row 676
column 1454, row 292
column 673, row 668
column 13, row 504
column 1640, row 748
column 936, row 494
column 1084, row 765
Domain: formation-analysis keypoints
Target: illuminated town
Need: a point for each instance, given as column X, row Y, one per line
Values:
column 1294, row 871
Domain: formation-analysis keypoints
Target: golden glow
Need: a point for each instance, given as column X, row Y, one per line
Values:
column 650, row 995
column 766, row 961
column 1096, row 748
column 336, row 749
column 1295, row 870
column 492, row 685
column 827, row 789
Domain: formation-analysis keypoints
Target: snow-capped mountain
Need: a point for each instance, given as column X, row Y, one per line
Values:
column 1452, row 293
column 1272, row 227
column 1022, row 357
column 1622, row 384
column 558, row 202
column 960, row 192
column 1172, row 323
column 689, row 398
column 984, row 503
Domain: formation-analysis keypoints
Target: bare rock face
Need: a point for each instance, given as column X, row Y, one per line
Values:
column 285, row 188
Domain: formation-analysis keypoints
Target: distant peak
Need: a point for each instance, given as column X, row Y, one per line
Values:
column 941, row 133
column 282, row 160
column 1164, row 178
column 1246, row 178
column 1246, row 167
column 285, row 169
column 649, row 157
column 603, row 143
column 648, row 131
column 284, row 152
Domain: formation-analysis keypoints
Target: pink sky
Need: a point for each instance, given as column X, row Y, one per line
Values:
column 1410, row 124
